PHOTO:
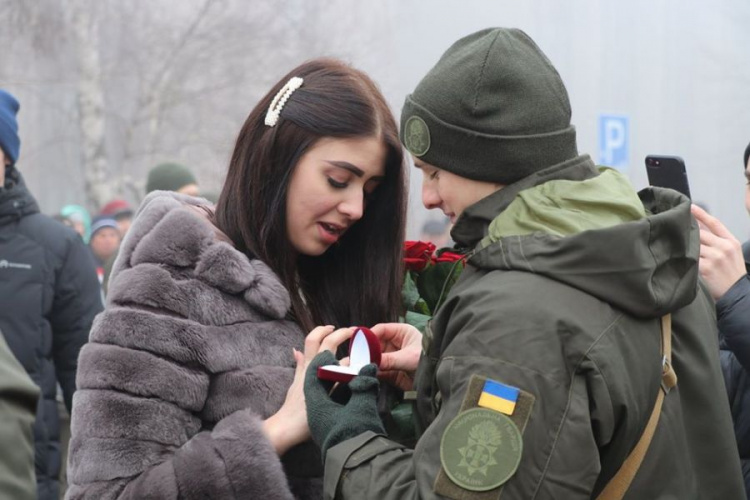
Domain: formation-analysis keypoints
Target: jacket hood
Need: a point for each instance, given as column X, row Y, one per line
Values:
column 15, row 199
column 637, row 252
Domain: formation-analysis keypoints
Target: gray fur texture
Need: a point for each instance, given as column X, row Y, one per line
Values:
column 190, row 355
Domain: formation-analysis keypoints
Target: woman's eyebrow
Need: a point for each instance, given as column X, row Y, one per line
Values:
column 353, row 169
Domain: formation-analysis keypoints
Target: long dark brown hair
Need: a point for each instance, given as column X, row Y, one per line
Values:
column 358, row 280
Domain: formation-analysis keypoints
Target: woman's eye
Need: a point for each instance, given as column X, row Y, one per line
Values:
column 434, row 175
column 336, row 184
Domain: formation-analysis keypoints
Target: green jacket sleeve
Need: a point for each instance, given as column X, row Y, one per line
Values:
column 569, row 418
column 559, row 442
column 18, row 401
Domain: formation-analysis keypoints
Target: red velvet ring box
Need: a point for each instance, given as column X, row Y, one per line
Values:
column 364, row 348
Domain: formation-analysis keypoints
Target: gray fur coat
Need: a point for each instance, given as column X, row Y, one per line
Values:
column 190, row 356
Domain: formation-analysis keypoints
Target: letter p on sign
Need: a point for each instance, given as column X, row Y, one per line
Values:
column 613, row 141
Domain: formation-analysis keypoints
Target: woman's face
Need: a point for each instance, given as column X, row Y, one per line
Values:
column 329, row 188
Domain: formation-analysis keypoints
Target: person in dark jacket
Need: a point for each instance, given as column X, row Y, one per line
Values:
column 49, row 295
column 549, row 356
column 724, row 267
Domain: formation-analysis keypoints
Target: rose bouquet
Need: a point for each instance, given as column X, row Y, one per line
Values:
column 428, row 277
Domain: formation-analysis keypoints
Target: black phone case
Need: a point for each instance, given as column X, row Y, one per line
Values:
column 668, row 172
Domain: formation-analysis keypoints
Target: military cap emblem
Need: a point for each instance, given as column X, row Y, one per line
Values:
column 417, row 136
column 480, row 449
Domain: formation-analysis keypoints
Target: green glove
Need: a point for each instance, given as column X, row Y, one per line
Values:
column 330, row 422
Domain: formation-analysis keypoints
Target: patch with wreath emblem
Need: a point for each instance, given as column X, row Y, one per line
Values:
column 416, row 136
column 480, row 449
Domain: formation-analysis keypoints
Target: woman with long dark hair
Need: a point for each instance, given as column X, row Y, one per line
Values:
column 181, row 390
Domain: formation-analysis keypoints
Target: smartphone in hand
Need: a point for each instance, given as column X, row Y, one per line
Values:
column 668, row 172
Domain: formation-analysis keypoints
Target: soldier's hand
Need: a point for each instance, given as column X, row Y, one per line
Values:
column 402, row 347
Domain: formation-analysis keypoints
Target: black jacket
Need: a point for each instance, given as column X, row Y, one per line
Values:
column 733, row 314
column 50, row 295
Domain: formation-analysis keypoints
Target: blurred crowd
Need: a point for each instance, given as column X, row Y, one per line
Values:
column 104, row 231
column 55, row 271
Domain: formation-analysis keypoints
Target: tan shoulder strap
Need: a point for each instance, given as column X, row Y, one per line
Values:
column 620, row 483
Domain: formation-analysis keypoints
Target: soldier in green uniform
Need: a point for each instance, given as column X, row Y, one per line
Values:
column 542, row 370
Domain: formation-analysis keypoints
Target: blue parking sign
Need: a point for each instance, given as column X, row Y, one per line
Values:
column 613, row 141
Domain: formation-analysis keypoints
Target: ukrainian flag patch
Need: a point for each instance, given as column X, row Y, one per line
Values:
column 498, row 397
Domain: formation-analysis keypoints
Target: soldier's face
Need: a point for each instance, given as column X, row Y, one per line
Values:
column 449, row 192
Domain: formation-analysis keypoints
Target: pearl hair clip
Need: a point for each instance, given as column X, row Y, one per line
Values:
column 274, row 110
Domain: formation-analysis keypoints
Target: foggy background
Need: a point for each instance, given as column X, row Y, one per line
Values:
column 110, row 88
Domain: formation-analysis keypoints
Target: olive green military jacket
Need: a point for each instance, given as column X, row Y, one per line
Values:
column 18, row 402
column 561, row 299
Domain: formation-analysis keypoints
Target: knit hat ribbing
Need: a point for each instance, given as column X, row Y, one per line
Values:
column 117, row 208
column 9, row 140
column 101, row 222
column 169, row 177
column 492, row 109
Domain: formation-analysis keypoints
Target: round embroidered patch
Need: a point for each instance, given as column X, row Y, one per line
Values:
column 480, row 449
column 417, row 136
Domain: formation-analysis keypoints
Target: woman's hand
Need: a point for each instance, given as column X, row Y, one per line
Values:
column 721, row 261
column 288, row 426
column 402, row 347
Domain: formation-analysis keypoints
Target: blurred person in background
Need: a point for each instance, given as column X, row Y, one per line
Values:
column 64, row 221
column 80, row 218
column 104, row 242
column 18, row 402
column 169, row 176
column 723, row 267
column 50, row 296
column 121, row 211
column 172, row 177
column 182, row 389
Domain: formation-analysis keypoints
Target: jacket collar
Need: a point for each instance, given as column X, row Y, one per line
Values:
column 472, row 225
column 15, row 199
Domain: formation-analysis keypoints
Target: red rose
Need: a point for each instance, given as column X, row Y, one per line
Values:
column 449, row 257
column 417, row 254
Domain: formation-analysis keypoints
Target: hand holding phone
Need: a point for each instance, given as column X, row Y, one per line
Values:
column 668, row 172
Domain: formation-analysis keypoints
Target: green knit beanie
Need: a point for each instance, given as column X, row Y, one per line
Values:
column 169, row 177
column 492, row 109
